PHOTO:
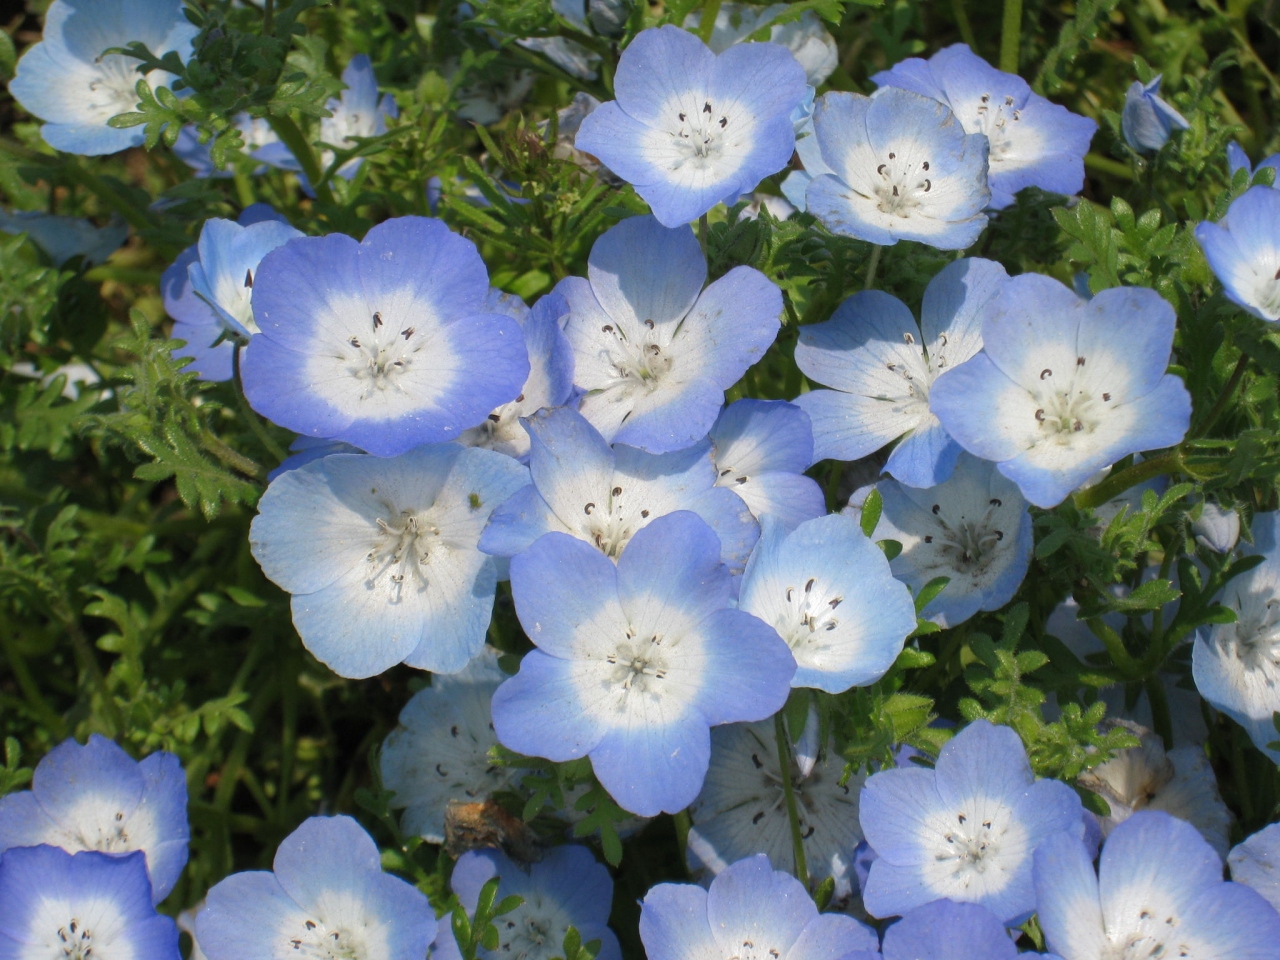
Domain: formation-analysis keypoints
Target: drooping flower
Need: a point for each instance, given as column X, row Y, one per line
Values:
column 1034, row 143
column 255, row 134
column 96, row 797
column 1064, row 386
column 807, row 39
column 882, row 368
column 749, row 911
column 964, row 831
column 65, row 237
column 68, row 82
column 975, row 529
column 566, row 888
column 82, row 906
column 1158, row 892
column 742, row 809
column 654, row 351
column 761, row 449
column 327, row 897
column 828, row 591
column 1244, row 251
column 385, row 344
column 605, row 495
column 1217, row 528
column 1238, row 160
column 227, row 258
column 550, row 381
column 902, row 168
column 636, row 662
column 1256, row 863
column 380, row 554
column 1147, row 121
column 690, row 128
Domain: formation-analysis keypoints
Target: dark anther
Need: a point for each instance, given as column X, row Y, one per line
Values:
column 724, row 122
column 440, row 770
column 1106, row 396
column 520, row 399
column 758, row 817
column 1077, row 426
column 655, row 349
column 997, row 502
column 644, row 514
column 607, row 328
column 928, row 539
column 1079, row 361
column 909, row 338
column 808, row 833
column 1040, row 415
column 895, row 189
column 494, row 417
column 617, row 491
column 756, row 760
column 706, row 108
column 682, row 118
column 354, row 342
column 892, row 366
column 588, row 508
column 311, row 924
column 893, row 156
column 1046, row 372
column 963, row 818
column 999, row 535
column 880, row 169
column 936, row 508
column 836, row 602
column 741, row 479
column 248, row 279
column 649, row 324
column 453, row 731
column 809, row 586
column 377, row 320
column 928, row 185
column 925, row 166
column 408, row 332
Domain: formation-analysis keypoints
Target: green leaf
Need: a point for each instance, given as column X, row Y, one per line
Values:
column 871, row 510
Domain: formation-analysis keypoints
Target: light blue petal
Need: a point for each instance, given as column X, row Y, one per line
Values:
column 926, row 457
column 898, row 811
column 1067, row 897
column 729, row 328
column 652, row 765
column 237, row 913
column 849, row 427
column 790, row 498
column 762, row 436
column 539, row 712
column 983, row 760
column 661, row 66
column 1230, row 920
column 325, row 854
column 749, row 669
column 954, row 306
column 70, row 773
column 673, row 923
column 641, row 270
column 750, row 902
column 1254, row 863
column 1132, row 356
column 944, row 930
column 570, row 462
column 912, row 74
column 515, row 525
column 864, row 348
column 1237, row 159
column 164, row 804
column 983, row 410
column 670, row 574
column 830, row 936
column 1152, row 855
column 730, row 517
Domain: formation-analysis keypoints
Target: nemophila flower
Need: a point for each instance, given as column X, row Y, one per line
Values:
column 380, row 554
column 306, row 449
column 882, row 368
column 1147, row 121
column 827, row 590
column 807, row 39
column 1236, row 665
column 227, row 258
column 1033, row 142
column 965, row 830
column 440, row 750
column 83, row 906
column 62, row 238
column 550, row 381
column 1256, row 863
column 946, row 930
column 1180, row 782
column 1158, row 892
column 653, row 350
column 96, row 797
column 1243, row 249
column 749, row 912
column 66, row 81
column 327, row 898
column 742, row 809
column 975, row 529
column 605, row 495
column 255, row 134
column 1064, row 386
column 796, row 183
column 902, row 168
column 566, row 888
column 385, row 344
column 1238, row 160
column 636, row 662
column 76, row 377
column 761, row 449
column 691, row 128
column 1216, row 528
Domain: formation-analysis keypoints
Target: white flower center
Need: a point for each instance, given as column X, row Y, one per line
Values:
column 916, row 400
column 698, row 135
column 814, row 797
column 612, row 523
column 74, row 942
column 1255, row 637
column 379, row 361
column 1148, row 940
column 533, row 931
column 996, row 118
column 403, row 550
column 967, row 545
column 1268, row 293
column 640, row 361
column 317, row 942
column 638, row 665
column 809, row 616
column 1063, row 413
column 113, row 90
column 902, row 185
column 972, row 846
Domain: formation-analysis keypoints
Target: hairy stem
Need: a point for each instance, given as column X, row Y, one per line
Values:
column 1131, row 476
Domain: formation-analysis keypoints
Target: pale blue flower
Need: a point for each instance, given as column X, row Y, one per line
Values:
column 636, row 662
column 327, row 898
column 965, row 830
column 385, row 344
column 1033, row 142
column 1064, row 387
column 1256, row 863
column 54, row 904
column 567, row 888
column 749, row 911
column 1158, row 892
column 827, row 589
column 1217, row 528
column 65, row 237
column 902, row 168
column 807, row 39
column 690, row 128
column 67, row 82
column 96, row 797
column 1244, row 251
column 604, row 495
column 653, row 351
column 882, row 366
column 227, row 258
column 1147, row 121
column 380, row 554
column 1238, row 160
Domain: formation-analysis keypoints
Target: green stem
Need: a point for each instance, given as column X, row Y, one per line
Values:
column 704, row 227
column 268, row 17
column 1161, row 719
column 1106, row 165
column 1011, row 36
column 789, row 792
column 963, row 24
column 872, row 264
column 1115, row 646
column 254, row 421
column 292, row 137
column 710, row 10
column 1131, row 476
column 234, row 459
column 1224, row 397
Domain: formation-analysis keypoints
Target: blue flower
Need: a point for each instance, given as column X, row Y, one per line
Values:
column 965, row 830
column 84, row 905
column 380, row 554
column 827, row 590
column 654, row 351
column 566, row 888
column 1238, row 160
column 883, row 366
column 761, row 449
column 96, row 797
column 604, row 496
column 1244, row 251
column 1217, row 528
column 902, row 168
column 636, row 662
column 1063, row 386
column 975, row 529
column 255, row 134
column 227, row 257
column 1256, row 863
column 1034, row 143
column 384, row 344
column 1147, row 120
column 749, row 910
column 328, row 897
column 796, row 184
column 67, row 82
column 65, row 237
column 690, row 128
column 1158, row 892
column 807, row 39
column 946, row 930
column 550, row 382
